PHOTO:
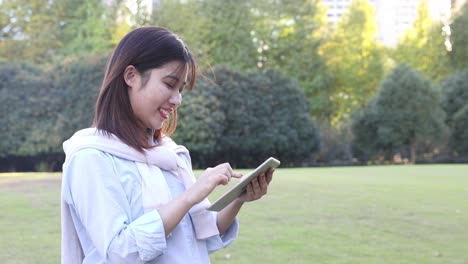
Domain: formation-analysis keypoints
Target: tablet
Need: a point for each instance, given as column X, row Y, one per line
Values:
column 237, row 189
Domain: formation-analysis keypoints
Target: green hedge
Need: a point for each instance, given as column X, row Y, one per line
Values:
column 404, row 114
column 455, row 103
column 244, row 118
column 236, row 117
column 240, row 118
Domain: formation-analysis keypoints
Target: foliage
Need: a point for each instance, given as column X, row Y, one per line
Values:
column 38, row 32
column 407, row 103
column 28, row 111
column 266, row 115
column 454, row 94
column 42, row 108
column 406, row 112
column 459, row 135
column 185, row 19
column 354, row 59
column 455, row 104
column 459, row 38
column 265, row 34
column 423, row 46
column 228, row 41
column 364, row 128
column 201, row 122
column 335, row 145
column 30, row 30
column 238, row 117
column 288, row 35
column 337, row 68
column 217, row 31
column 77, row 82
column 261, row 115
column 87, row 29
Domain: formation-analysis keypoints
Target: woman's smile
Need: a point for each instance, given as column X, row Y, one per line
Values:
column 165, row 113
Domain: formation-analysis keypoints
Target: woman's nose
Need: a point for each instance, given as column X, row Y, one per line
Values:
column 175, row 100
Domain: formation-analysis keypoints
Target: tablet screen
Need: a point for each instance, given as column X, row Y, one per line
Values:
column 239, row 188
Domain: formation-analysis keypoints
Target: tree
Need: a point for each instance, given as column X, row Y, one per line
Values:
column 459, row 38
column 406, row 112
column 364, row 128
column 42, row 108
column 287, row 36
column 228, row 28
column 266, row 114
column 77, row 82
column 88, row 28
column 128, row 15
column 263, row 34
column 459, row 136
column 29, row 111
column 354, row 60
column 218, row 32
column 423, row 46
column 185, row 18
column 201, row 122
column 454, row 94
column 29, row 30
column 44, row 32
column 455, row 104
column 244, row 118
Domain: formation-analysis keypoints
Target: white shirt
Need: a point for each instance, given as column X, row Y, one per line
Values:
column 102, row 210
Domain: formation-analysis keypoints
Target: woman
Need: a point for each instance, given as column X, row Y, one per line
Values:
column 128, row 191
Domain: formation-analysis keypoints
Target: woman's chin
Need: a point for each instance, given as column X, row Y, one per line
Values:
column 157, row 126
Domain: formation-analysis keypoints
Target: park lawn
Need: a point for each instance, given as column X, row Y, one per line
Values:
column 386, row 214
column 29, row 218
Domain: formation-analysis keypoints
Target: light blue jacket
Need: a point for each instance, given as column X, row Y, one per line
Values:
column 103, row 219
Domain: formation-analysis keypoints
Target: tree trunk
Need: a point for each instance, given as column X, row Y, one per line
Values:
column 413, row 149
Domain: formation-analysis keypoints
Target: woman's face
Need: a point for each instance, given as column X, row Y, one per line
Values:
column 153, row 101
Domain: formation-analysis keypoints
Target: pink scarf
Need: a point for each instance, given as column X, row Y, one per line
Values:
column 167, row 156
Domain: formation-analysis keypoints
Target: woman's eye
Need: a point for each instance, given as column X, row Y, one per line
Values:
column 172, row 86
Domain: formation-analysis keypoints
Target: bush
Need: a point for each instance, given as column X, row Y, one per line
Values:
column 77, row 82
column 404, row 114
column 43, row 108
column 27, row 103
column 335, row 145
column 201, row 122
column 241, row 118
column 455, row 102
column 454, row 94
column 364, row 127
column 249, row 117
column 459, row 134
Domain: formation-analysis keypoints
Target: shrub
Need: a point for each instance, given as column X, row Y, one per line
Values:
column 249, row 117
column 27, row 103
column 77, row 82
column 405, row 112
column 454, row 94
column 459, row 133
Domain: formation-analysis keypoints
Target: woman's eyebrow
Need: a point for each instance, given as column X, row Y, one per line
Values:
column 175, row 78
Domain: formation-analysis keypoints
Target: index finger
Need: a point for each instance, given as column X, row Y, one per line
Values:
column 231, row 171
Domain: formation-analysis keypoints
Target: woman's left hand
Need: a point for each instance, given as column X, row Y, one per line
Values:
column 257, row 187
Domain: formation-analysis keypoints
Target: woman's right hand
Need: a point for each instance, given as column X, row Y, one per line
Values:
column 209, row 179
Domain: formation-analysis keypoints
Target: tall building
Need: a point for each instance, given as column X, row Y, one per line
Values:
column 393, row 17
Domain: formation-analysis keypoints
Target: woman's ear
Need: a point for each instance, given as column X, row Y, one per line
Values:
column 130, row 76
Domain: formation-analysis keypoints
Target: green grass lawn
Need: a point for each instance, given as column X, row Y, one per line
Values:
column 387, row 214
